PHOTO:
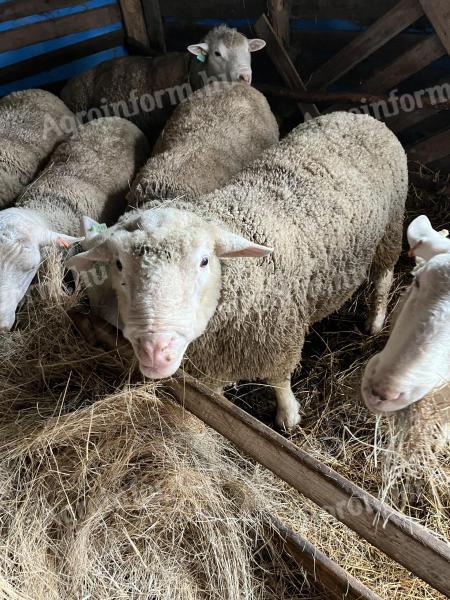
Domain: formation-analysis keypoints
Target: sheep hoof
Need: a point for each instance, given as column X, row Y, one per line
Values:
column 287, row 419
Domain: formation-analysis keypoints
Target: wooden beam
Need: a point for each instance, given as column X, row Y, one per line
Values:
column 17, row 10
column 324, row 571
column 384, row 29
column 279, row 18
column 135, row 28
column 411, row 545
column 154, row 23
column 409, row 63
column 61, row 57
column 201, row 9
column 348, row 97
column 48, row 30
column 430, row 150
column 438, row 13
column 282, row 62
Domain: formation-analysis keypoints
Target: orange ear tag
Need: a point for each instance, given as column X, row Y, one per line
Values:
column 63, row 243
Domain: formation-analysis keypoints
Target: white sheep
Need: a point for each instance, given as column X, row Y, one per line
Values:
column 146, row 89
column 32, row 123
column 300, row 215
column 415, row 362
column 88, row 174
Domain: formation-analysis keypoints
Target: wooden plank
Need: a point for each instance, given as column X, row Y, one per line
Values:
column 360, row 11
column 202, row 9
column 17, row 10
column 135, row 27
column 282, row 62
column 61, row 57
column 279, row 18
column 411, row 545
column 48, row 30
column 384, row 29
column 438, row 13
column 348, row 97
column 155, row 27
column 430, row 150
column 415, row 59
column 321, row 568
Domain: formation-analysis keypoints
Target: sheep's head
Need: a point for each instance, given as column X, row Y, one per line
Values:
column 165, row 270
column 23, row 241
column 416, row 358
column 226, row 54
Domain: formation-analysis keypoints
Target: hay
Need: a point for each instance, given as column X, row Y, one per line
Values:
column 109, row 490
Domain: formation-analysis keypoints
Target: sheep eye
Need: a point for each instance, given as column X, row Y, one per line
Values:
column 119, row 265
column 204, row 262
column 217, row 53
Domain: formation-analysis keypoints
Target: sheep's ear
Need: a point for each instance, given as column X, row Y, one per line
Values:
column 230, row 245
column 256, row 44
column 199, row 49
column 85, row 260
column 424, row 241
column 53, row 238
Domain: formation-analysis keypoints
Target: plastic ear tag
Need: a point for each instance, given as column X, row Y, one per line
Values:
column 202, row 56
column 98, row 228
column 62, row 243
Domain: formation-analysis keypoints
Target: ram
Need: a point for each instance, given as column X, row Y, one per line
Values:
column 89, row 174
column 32, row 123
column 235, row 280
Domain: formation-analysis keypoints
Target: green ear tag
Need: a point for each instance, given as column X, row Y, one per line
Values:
column 202, row 56
column 99, row 228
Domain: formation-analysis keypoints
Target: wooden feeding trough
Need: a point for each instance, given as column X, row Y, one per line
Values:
column 45, row 42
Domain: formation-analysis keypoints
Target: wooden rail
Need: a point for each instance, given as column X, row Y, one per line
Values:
column 411, row 545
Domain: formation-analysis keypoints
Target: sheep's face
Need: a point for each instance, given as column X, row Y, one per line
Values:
column 165, row 270
column 22, row 241
column 416, row 358
column 226, row 54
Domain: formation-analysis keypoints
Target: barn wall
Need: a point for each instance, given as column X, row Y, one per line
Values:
column 43, row 42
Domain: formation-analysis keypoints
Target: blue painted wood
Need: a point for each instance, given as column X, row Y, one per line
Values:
column 17, row 56
column 55, row 14
column 62, row 73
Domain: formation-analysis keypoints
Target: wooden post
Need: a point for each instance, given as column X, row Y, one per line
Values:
column 279, row 18
column 324, row 571
column 411, row 545
column 155, row 27
column 136, row 31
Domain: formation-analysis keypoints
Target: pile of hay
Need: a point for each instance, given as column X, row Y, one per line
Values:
column 109, row 490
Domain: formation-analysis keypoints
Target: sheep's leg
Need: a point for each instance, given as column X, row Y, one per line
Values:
column 288, row 415
column 382, row 282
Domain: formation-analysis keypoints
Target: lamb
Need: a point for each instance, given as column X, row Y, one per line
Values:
column 25, row 140
column 146, row 89
column 88, row 174
column 209, row 138
column 415, row 362
column 236, row 279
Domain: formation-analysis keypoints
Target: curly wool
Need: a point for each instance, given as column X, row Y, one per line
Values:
column 25, row 139
column 330, row 200
column 89, row 174
column 210, row 137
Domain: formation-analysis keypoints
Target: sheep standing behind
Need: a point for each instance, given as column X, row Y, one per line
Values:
column 32, row 123
column 146, row 89
column 89, row 174
column 209, row 138
column 310, row 198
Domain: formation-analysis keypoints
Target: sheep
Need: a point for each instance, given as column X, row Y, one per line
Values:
column 145, row 89
column 88, row 174
column 415, row 362
column 209, row 138
column 25, row 140
column 301, row 213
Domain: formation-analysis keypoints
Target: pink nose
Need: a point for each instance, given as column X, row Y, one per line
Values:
column 246, row 76
column 157, row 352
column 380, row 395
